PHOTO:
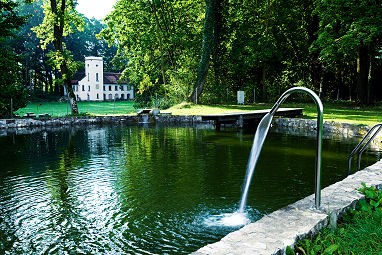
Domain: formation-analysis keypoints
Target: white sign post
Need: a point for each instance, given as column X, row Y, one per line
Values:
column 240, row 97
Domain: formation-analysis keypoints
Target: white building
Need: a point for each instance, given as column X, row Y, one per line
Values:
column 95, row 85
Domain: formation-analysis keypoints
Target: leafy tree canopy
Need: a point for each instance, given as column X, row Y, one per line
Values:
column 10, row 72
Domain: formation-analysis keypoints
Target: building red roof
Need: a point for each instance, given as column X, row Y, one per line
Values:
column 111, row 78
column 77, row 77
column 108, row 78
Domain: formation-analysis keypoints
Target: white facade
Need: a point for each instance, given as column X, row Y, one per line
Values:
column 100, row 86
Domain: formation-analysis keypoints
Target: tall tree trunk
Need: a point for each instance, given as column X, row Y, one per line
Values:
column 312, row 26
column 69, row 89
column 207, row 46
column 58, row 31
column 217, row 54
column 160, row 41
column 363, row 65
column 263, row 86
column 50, row 82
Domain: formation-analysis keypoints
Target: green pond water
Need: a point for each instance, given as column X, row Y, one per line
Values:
column 138, row 190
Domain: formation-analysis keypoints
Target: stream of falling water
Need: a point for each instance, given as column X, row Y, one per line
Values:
column 258, row 141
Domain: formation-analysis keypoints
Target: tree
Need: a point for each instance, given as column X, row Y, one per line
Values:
column 38, row 75
column 206, row 49
column 157, row 42
column 350, row 31
column 85, row 43
column 61, row 19
column 11, row 88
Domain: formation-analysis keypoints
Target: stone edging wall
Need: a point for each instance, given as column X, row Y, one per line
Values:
column 329, row 127
column 291, row 125
column 66, row 121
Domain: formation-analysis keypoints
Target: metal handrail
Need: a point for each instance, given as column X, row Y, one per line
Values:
column 320, row 110
column 358, row 149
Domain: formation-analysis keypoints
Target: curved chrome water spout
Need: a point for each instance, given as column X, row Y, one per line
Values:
column 264, row 127
column 320, row 111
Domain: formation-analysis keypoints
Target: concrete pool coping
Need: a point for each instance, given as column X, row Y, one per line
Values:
column 274, row 232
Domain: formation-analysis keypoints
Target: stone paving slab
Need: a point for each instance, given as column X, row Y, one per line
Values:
column 274, row 232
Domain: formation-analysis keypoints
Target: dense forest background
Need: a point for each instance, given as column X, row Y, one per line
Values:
column 204, row 50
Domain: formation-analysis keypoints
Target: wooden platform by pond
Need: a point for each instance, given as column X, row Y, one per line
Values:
column 248, row 118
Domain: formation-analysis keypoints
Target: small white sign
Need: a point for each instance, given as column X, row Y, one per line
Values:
column 240, row 97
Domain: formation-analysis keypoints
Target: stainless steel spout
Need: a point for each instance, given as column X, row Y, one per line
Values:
column 320, row 110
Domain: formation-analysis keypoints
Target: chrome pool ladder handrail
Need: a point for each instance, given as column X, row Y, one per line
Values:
column 361, row 146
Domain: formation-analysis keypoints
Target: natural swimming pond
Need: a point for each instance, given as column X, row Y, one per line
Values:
column 136, row 190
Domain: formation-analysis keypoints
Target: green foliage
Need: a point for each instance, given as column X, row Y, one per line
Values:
column 160, row 40
column 345, row 26
column 372, row 201
column 60, row 20
column 266, row 45
column 85, row 43
column 289, row 251
column 10, row 20
column 60, row 58
column 348, row 42
column 69, row 19
column 11, row 73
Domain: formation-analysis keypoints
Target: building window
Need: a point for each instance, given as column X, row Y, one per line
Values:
column 97, row 77
column 104, row 88
column 122, row 87
column 128, row 96
column 88, row 88
column 122, row 96
column 83, row 87
column 97, row 96
column 88, row 97
column 110, row 96
column 88, row 77
column 116, row 97
column 116, row 88
column 97, row 86
column 104, row 96
column 109, row 88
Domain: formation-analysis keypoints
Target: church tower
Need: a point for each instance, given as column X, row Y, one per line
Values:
column 94, row 78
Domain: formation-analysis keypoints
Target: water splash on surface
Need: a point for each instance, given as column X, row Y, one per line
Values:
column 258, row 141
column 236, row 219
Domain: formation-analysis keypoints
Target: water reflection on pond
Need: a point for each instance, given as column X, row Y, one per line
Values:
column 135, row 190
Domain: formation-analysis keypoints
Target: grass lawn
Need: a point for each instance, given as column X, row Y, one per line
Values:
column 57, row 109
column 339, row 112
